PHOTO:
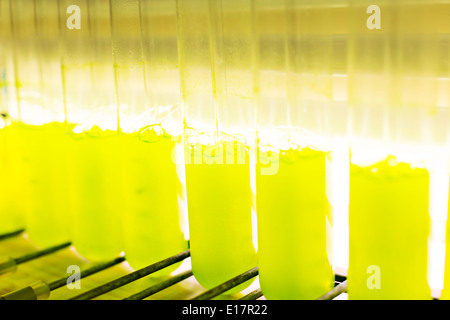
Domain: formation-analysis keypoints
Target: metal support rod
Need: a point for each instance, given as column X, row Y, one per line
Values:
column 131, row 277
column 160, row 286
column 8, row 264
column 214, row 292
column 41, row 253
column 255, row 294
column 11, row 234
column 41, row 290
column 85, row 273
column 333, row 293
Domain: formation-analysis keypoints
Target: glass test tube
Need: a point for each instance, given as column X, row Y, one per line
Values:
column 216, row 55
column 150, row 121
column 13, row 173
column 11, row 206
column 40, row 145
column 389, row 219
column 441, row 18
column 96, row 156
column 27, row 66
column 337, row 165
column 44, row 133
column 6, row 59
column 294, row 223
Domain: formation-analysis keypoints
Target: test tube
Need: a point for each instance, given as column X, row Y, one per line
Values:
column 41, row 142
column 216, row 59
column 295, row 86
column 147, row 84
column 11, row 209
column 391, row 148
column 96, row 155
column 26, row 57
column 441, row 16
column 44, row 131
column 7, row 92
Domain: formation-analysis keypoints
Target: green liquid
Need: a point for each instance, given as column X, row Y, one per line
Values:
column 389, row 227
column 98, row 198
column 13, row 201
column 48, row 218
column 219, row 202
column 292, row 211
column 104, row 191
column 155, row 200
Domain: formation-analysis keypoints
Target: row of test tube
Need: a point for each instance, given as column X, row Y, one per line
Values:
column 303, row 137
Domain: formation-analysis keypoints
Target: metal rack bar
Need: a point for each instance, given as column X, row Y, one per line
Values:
column 160, row 286
column 333, row 293
column 40, row 290
column 224, row 287
column 255, row 294
column 132, row 277
column 41, row 253
column 85, row 273
column 340, row 281
column 9, row 264
column 11, row 234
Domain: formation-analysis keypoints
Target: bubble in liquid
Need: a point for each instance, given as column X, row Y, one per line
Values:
column 392, row 161
column 152, row 133
column 290, row 156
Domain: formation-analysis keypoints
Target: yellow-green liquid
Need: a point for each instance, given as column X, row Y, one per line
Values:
column 155, row 198
column 104, row 191
column 127, row 197
column 98, row 199
column 46, row 151
column 292, row 210
column 389, row 227
column 13, row 191
column 219, row 202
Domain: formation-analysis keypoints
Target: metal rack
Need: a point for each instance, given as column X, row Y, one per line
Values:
column 114, row 279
